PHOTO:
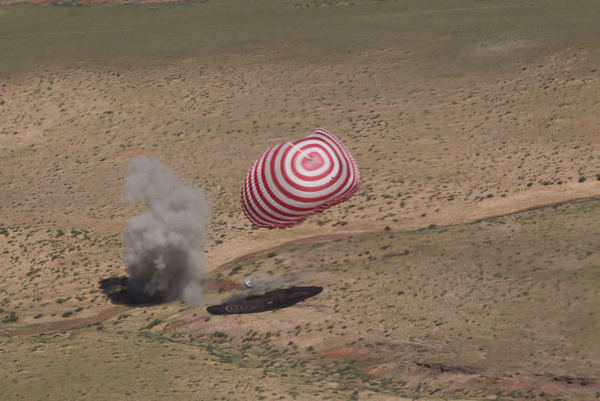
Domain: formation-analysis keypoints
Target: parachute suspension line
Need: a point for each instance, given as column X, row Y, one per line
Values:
column 302, row 152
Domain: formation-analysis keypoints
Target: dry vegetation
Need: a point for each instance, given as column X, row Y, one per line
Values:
column 453, row 113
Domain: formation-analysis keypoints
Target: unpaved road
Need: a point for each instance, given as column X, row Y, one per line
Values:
column 108, row 313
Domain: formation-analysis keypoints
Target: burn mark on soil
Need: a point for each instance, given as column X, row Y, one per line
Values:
column 117, row 290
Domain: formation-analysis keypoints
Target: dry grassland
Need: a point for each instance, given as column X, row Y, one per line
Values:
column 454, row 113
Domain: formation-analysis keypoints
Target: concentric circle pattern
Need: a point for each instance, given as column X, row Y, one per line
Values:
column 270, row 300
column 298, row 179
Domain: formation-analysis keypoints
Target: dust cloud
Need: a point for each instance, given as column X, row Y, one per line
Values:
column 163, row 245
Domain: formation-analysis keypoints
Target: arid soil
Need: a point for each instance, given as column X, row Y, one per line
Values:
column 466, row 266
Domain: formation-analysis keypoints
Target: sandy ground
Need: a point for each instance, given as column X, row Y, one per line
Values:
column 498, row 126
column 404, row 133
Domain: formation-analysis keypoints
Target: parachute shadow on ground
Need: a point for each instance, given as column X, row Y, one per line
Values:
column 268, row 301
column 117, row 290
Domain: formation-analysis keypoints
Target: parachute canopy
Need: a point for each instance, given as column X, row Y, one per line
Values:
column 298, row 179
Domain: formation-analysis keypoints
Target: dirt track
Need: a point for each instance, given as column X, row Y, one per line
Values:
column 71, row 324
column 455, row 113
column 66, row 324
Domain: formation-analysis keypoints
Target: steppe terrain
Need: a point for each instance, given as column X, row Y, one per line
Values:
column 465, row 268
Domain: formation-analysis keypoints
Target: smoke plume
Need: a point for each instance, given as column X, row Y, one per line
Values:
column 163, row 245
column 261, row 283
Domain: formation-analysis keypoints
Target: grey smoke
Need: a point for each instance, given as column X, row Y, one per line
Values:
column 262, row 283
column 163, row 245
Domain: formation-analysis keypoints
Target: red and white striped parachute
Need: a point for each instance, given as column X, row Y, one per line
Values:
column 298, row 179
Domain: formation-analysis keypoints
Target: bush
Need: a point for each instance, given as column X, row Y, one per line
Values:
column 235, row 270
column 154, row 323
column 10, row 318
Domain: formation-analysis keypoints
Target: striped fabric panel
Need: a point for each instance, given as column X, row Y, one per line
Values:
column 293, row 181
